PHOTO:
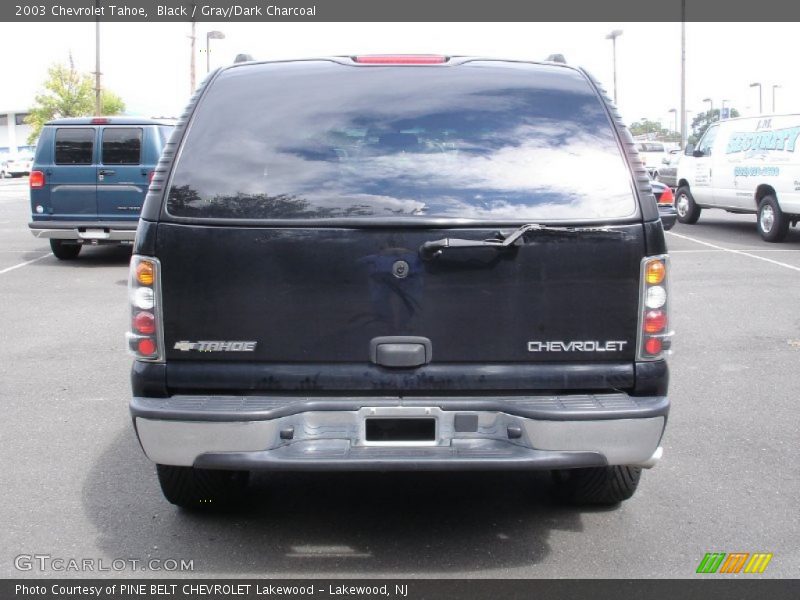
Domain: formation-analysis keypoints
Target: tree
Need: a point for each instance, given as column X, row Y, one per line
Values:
column 701, row 122
column 68, row 93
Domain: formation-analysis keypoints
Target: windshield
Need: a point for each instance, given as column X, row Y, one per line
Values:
column 484, row 140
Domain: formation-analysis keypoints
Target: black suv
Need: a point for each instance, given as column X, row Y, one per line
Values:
column 399, row 263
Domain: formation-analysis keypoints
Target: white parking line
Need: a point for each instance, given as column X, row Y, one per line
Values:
column 27, row 262
column 732, row 251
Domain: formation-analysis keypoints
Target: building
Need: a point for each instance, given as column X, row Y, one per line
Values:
column 14, row 132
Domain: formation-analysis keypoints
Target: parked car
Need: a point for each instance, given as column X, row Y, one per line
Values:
column 747, row 165
column 666, row 204
column 16, row 165
column 89, row 179
column 653, row 154
column 668, row 172
column 400, row 265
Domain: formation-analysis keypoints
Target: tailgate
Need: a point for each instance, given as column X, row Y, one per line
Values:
column 317, row 296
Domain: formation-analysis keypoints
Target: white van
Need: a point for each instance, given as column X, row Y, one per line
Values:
column 748, row 165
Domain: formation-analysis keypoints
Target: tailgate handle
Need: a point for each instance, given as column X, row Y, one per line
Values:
column 400, row 351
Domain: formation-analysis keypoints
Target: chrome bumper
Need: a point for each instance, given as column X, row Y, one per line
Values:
column 90, row 232
column 296, row 434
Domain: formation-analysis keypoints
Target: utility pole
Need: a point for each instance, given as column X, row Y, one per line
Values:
column 613, row 37
column 98, row 104
column 684, row 136
column 193, row 57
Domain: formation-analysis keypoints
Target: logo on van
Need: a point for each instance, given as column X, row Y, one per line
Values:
column 775, row 139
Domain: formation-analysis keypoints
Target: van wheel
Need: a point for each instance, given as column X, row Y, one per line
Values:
column 688, row 211
column 63, row 250
column 192, row 488
column 596, row 485
column 773, row 225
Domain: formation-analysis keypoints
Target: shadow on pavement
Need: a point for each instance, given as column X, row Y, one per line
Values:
column 306, row 524
column 90, row 257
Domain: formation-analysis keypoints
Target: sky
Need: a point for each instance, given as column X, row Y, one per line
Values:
column 147, row 64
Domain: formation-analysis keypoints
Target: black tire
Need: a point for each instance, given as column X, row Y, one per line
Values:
column 63, row 250
column 772, row 222
column 688, row 211
column 597, row 485
column 192, row 488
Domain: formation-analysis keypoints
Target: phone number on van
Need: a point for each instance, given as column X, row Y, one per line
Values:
column 756, row 171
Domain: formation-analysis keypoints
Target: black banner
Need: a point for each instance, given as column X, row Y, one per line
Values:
column 412, row 589
column 399, row 10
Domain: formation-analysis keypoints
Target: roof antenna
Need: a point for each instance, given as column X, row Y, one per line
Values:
column 556, row 58
column 240, row 58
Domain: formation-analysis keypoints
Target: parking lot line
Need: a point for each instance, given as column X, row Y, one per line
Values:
column 27, row 262
column 732, row 251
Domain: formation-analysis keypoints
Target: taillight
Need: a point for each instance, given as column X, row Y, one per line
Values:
column 146, row 338
column 400, row 59
column 150, row 177
column 654, row 337
column 667, row 197
column 36, row 179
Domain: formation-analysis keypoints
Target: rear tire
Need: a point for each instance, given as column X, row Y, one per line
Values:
column 688, row 211
column 772, row 223
column 192, row 488
column 64, row 250
column 601, row 486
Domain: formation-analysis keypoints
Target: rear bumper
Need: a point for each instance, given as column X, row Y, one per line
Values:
column 306, row 433
column 84, row 230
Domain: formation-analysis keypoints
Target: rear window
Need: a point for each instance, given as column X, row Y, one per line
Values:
column 319, row 140
column 74, row 146
column 122, row 146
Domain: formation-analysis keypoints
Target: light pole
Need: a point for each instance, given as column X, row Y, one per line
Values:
column 98, row 90
column 710, row 109
column 613, row 37
column 675, row 112
column 211, row 35
column 722, row 111
column 774, row 87
column 760, row 105
column 684, row 133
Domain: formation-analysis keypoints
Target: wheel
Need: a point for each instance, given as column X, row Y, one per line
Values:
column 773, row 225
column 688, row 211
column 188, row 487
column 597, row 485
column 64, row 250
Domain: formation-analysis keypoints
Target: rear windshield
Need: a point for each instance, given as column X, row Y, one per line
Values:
column 319, row 140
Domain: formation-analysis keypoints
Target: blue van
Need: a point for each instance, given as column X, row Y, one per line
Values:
column 89, row 179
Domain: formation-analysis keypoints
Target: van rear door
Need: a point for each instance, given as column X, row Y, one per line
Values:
column 122, row 178
column 71, row 176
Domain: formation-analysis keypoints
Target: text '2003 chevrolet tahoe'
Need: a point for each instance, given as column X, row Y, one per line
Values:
column 399, row 263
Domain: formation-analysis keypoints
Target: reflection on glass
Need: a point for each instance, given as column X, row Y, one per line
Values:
column 477, row 141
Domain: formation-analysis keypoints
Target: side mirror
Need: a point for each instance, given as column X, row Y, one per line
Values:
column 689, row 150
column 698, row 153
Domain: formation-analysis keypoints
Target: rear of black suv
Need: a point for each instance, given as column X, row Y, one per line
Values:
column 386, row 263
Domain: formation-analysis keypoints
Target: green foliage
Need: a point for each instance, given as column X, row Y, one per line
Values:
column 702, row 120
column 68, row 93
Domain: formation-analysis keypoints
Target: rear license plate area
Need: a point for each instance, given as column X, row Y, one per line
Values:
column 392, row 429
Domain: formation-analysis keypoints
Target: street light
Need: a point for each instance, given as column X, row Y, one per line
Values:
column 722, row 112
column 710, row 109
column 760, row 105
column 211, row 35
column 613, row 37
column 774, row 87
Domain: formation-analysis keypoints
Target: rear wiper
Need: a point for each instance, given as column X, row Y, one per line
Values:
column 432, row 249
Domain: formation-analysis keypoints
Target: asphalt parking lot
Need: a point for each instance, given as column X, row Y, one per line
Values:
column 76, row 485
